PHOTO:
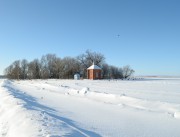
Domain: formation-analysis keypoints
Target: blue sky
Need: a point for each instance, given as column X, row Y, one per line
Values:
column 148, row 41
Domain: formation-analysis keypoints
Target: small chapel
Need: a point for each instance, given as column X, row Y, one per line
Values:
column 94, row 72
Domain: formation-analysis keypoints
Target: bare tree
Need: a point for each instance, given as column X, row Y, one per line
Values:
column 51, row 59
column 71, row 66
column 24, row 69
column 88, row 58
column 45, row 73
column 16, row 69
column 9, row 72
column 34, row 69
column 51, row 66
column 59, row 67
column 120, row 73
column 127, row 71
column 105, row 71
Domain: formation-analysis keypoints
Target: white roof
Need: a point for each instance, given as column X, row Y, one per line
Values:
column 94, row 67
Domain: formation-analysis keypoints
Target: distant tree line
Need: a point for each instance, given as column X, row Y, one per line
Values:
column 51, row 66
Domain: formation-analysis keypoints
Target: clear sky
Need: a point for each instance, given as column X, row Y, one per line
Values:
column 144, row 34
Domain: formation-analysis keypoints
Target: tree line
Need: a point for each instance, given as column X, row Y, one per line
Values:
column 51, row 66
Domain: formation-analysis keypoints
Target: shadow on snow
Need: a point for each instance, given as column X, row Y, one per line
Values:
column 31, row 103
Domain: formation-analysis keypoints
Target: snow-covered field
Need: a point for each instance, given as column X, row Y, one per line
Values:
column 85, row 108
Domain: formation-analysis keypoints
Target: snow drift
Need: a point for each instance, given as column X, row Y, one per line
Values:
column 71, row 108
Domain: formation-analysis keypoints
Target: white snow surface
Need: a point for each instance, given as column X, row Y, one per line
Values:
column 94, row 67
column 87, row 108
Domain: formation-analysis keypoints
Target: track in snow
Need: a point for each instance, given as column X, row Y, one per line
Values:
column 52, row 123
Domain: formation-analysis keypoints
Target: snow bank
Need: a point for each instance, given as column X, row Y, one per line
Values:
column 26, row 112
column 177, row 115
column 14, row 119
column 123, row 100
column 145, row 108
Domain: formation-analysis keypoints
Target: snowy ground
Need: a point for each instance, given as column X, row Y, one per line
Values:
column 85, row 108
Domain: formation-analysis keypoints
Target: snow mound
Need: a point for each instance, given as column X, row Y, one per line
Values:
column 84, row 91
column 15, row 120
column 123, row 100
column 177, row 115
column 80, row 93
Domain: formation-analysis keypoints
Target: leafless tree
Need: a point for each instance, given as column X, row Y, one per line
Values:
column 105, row 71
column 88, row 58
column 51, row 66
column 59, row 67
column 71, row 66
column 45, row 73
column 24, row 69
column 34, row 69
column 127, row 71
column 16, row 69
column 113, row 71
column 9, row 72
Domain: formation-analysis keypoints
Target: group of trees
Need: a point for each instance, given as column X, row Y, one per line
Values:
column 51, row 66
